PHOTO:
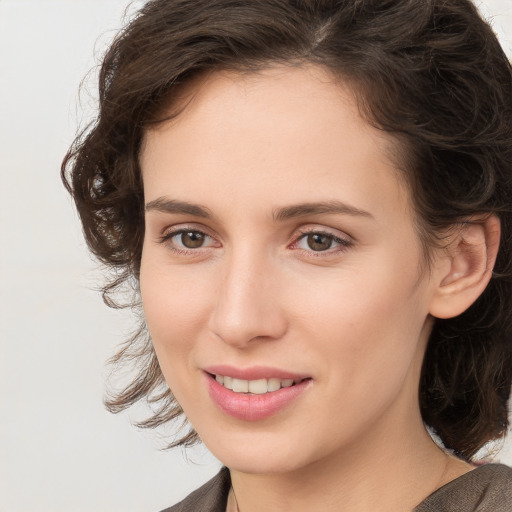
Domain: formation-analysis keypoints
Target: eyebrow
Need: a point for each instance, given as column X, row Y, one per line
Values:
column 329, row 207
column 166, row 205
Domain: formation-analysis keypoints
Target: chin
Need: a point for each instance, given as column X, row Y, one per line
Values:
column 261, row 463
column 261, row 453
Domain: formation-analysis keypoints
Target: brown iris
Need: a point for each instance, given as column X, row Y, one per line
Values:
column 319, row 241
column 192, row 239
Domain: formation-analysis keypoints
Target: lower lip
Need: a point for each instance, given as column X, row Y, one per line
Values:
column 245, row 406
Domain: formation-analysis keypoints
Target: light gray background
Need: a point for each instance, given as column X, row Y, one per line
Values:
column 59, row 449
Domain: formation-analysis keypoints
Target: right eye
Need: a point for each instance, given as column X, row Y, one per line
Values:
column 190, row 239
column 185, row 240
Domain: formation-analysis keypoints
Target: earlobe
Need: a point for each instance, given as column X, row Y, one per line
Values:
column 468, row 265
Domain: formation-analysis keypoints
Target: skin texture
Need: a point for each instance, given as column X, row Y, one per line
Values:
column 355, row 318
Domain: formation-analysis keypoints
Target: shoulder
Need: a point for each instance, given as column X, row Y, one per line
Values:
column 211, row 497
column 487, row 488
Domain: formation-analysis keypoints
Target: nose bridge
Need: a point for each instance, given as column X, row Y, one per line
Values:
column 247, row 304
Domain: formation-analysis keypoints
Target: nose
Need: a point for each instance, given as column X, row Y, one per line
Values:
column 247, row 306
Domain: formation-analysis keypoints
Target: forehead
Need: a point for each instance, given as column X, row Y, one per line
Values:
column 293, row 96
column 266, row 131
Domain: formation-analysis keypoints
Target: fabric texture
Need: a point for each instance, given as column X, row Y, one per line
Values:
column 487, row 488
column 211, row 497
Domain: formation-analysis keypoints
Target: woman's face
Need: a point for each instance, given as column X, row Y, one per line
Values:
column 280, row 246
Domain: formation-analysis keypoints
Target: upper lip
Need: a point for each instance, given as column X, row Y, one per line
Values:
column 254, row 372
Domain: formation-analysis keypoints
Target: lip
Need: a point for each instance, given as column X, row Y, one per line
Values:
column 254, row 372
column 248, row 407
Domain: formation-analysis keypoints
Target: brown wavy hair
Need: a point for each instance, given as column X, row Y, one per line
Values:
column 430, row 72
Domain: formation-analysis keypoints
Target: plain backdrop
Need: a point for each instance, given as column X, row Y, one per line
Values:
column 59, row 449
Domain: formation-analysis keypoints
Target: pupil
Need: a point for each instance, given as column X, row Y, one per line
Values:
column 319, row 242
column 192, row 239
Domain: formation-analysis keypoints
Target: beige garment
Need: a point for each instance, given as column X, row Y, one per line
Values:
column 487, row 488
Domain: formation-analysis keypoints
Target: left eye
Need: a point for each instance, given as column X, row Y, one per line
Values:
column 319, row 242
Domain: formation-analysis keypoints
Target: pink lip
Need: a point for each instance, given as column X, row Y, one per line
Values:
column 248, row 407
column 254, row 372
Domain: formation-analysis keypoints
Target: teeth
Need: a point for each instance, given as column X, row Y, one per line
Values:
column 240, row 386
column 228, row 382
column 273, row 384
column 256, row 387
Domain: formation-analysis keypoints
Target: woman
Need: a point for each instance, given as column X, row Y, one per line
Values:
column 313, row 201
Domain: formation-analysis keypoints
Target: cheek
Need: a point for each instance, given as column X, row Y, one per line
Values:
column 175, row 303
column 174, row 308
column 367, row 323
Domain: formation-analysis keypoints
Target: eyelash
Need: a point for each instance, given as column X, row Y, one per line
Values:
column 343, row 243
column 168, row 236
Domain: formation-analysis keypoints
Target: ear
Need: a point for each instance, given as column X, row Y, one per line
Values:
column 466, row 267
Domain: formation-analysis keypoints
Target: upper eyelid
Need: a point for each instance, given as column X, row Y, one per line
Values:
column 179, row 228
column 335, row 233
column 345, row 242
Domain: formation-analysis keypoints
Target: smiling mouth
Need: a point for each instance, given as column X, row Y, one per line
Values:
column 255, row 387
